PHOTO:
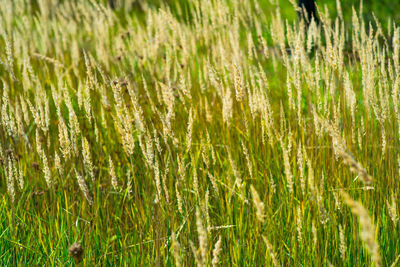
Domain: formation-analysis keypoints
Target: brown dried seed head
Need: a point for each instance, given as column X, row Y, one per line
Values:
column 76, row 251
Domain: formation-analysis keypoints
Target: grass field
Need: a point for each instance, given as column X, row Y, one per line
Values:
column 201, row 132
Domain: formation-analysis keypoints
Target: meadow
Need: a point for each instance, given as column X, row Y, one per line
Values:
column 198, row 133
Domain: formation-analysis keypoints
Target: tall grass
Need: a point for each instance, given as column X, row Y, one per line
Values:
column 209, row 132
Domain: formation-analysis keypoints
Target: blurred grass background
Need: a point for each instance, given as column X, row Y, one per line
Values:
column 384, row 10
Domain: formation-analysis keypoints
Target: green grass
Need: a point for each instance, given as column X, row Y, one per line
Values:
column 43, row 59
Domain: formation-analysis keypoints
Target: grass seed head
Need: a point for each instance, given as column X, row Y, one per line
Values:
column 76, row 252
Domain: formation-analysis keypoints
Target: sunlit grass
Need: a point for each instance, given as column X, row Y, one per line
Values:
column 197, row 132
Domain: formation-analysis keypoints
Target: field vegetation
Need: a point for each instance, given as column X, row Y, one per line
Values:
column 201, row 132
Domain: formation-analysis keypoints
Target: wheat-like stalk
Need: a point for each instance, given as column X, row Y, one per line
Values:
column 176, row 249
column 271, row 252
column 87, row 158
column 83, row 187
column 258, row 204
column 114, row 179
column 367, row 227
column 217, row 250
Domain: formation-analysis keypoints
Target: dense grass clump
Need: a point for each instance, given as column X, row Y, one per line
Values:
column 207, row 132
